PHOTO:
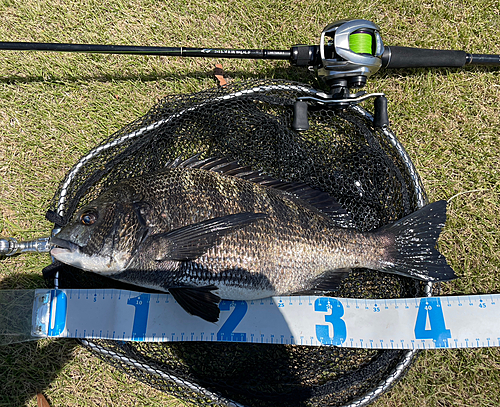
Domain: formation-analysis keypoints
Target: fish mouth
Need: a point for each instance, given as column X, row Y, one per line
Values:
column 63, row 245
column 73, row 254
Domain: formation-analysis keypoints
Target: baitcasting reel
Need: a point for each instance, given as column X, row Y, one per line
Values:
column 352, row 55
column 349, row 52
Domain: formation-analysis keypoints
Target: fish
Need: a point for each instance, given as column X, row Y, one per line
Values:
column 210, row 229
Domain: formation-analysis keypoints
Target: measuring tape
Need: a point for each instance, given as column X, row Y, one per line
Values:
column 403, row 323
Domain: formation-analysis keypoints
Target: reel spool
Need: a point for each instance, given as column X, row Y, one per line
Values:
column 343, row 153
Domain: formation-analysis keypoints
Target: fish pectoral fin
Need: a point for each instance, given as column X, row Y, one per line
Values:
column 198, row 301
column 190, row 242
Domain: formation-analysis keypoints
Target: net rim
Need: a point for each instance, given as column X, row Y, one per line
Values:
column 407, row 357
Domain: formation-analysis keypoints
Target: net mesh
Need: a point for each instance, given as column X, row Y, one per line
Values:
column 341, row 153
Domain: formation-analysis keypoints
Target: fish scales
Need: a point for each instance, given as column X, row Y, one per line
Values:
column 290, row 241
column 191, row 231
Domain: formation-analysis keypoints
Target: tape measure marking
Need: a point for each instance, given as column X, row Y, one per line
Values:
column 416, row 323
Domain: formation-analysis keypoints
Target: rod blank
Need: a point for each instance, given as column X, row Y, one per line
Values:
column 303, row 55
column 142, row 50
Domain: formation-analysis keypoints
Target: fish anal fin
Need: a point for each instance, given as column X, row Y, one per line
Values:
column 190, row 242
column 198, row 301
column 330, row 281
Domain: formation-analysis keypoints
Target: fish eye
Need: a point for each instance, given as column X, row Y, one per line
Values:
column 88, row 218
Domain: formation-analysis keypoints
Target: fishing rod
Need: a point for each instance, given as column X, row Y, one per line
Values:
column 349, row 52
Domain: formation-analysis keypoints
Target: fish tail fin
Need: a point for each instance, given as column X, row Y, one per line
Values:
column 414, row 253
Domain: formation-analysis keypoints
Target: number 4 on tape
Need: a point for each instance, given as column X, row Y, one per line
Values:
column 430, row 310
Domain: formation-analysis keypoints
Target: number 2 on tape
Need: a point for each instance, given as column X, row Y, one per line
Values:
column 226, row 332
column 323, row 304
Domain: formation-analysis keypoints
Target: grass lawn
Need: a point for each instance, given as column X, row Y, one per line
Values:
column 55, row 107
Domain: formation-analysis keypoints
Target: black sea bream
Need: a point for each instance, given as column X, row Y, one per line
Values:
column 205, row 230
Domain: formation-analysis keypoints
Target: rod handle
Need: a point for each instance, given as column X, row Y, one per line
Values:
column 405, row 57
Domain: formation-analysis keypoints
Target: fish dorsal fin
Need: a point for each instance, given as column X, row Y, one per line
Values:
column 319, row 200
column 314, row 197
column 180, row 162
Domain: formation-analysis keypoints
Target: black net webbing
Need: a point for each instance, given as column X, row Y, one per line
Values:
column 342, row 154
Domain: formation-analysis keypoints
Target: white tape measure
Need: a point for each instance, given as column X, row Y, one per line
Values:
column 416, row 323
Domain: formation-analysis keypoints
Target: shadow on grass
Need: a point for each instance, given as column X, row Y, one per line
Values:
column 30, row 367
column 290, row 73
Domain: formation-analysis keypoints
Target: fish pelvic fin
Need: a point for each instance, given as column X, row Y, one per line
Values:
column 198, row 301
column 414, row 252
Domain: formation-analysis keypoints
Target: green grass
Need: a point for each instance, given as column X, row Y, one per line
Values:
column 55, row 107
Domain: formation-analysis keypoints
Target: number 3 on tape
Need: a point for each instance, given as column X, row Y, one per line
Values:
column 324, row 304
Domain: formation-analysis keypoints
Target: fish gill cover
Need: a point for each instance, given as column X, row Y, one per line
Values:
column 341, row 154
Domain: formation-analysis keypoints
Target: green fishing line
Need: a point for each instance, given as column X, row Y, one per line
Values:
column 361, row 42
